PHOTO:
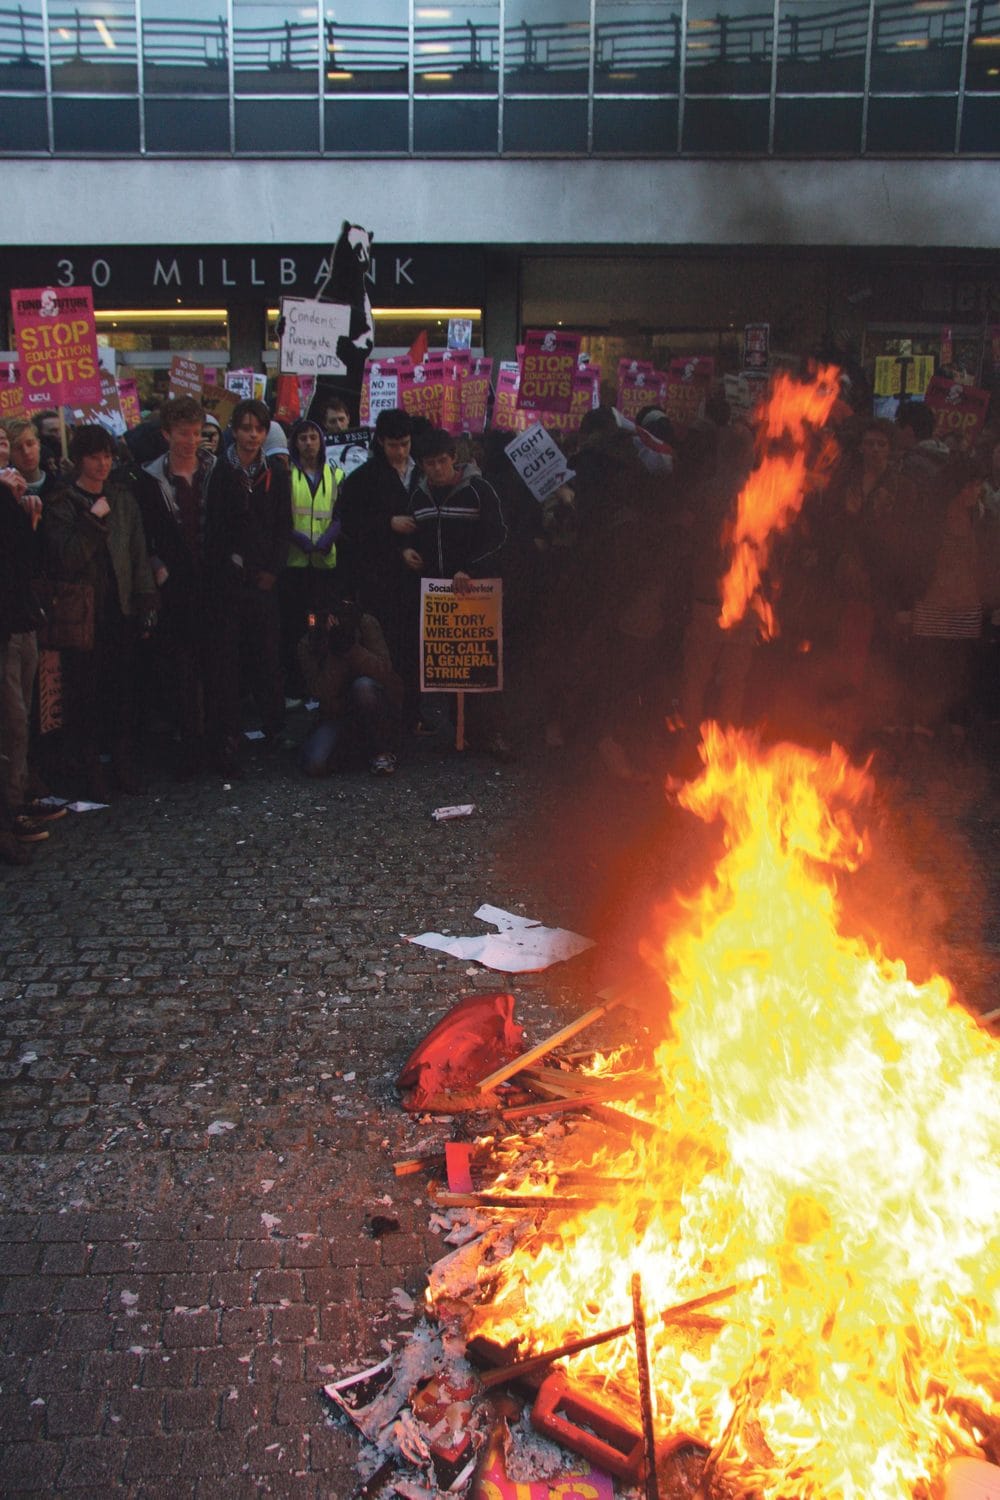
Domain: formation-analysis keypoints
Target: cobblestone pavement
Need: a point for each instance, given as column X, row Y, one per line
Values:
column 206, row 998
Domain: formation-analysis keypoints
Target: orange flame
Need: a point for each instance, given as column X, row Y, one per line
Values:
column 827, row 1134
column 772, row 496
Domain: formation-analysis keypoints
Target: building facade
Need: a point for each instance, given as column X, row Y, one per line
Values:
column 655, row 173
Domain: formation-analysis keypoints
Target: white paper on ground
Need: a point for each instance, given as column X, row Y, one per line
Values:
column 521, row 946
column 86, row 806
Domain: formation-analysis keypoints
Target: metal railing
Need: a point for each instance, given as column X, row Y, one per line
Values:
column 819, row 37
column 55, row 45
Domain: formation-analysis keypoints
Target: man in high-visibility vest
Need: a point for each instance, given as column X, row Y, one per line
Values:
column 309, row 581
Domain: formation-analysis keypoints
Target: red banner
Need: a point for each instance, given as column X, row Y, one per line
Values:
column 57, row 345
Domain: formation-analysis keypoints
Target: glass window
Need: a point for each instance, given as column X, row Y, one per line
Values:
column 917, row 45
column 95, row 127
column 817, row 127
column 728, row 54
column 184, row 53
column 188, row 126
column 983, row 67
column 734, row 126
column 275, row 46
column 23, row 125
column 92, row 46
column 644, row 126
column 911, row 125
column 367, row 47
column 457, row 47
column 637, row 46
column 22, row 47
column 277, row 127
column 981, row 125
column 454, row 127
column 545, row 125
column 366, row 127
column 821, row 47
column 547, row 51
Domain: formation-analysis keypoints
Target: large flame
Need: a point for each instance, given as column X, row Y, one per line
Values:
column 789, row 426
column 827, row 1134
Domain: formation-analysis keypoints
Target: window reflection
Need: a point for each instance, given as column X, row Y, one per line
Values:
column 92, row 46
column 983, row 71
column 728, row 53
column 275, row 46
column 637, row 46
column 917, row 44
column 457, row 47
column 184, row 54
column 22, row 47
column 367, row 47
column 547, row 53
column 821, row 47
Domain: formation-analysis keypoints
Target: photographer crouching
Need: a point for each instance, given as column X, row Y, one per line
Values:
column 345, row 663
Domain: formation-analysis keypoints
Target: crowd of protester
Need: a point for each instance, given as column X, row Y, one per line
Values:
column 191, row 582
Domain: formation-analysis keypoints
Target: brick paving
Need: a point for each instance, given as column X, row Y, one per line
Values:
column 206, row 998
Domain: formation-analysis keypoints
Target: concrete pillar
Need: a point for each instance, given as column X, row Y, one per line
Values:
column 502, row 316
column 247, row 328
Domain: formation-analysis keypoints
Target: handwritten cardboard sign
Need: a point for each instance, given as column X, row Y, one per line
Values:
column 309, row 337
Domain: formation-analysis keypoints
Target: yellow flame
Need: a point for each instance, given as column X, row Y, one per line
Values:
column 773, row 494
column 827, row 1134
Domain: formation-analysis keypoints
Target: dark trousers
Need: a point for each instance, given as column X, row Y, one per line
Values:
column 245, row 638
column 367, row 720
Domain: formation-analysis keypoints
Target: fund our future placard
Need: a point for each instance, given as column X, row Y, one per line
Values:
column 309, row 337
column 461, row 637
column 57, row 345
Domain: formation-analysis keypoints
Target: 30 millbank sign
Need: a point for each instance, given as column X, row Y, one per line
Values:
column 210, row 276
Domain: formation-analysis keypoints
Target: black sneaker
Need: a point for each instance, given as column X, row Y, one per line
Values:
column 43, row 812
column 28, row 831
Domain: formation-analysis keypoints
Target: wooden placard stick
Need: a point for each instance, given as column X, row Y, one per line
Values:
column 514, row 1200
column 645, row 1390
column 527, row 1058
column 676, row 1314
column 550, row 1106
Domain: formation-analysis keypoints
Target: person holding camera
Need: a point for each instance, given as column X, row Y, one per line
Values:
column 345, row 664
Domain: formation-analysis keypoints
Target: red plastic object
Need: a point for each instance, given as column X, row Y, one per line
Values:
column 477, row 1036
column 606, row 1441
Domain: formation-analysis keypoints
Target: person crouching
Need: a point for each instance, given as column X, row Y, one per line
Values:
column 345, row 664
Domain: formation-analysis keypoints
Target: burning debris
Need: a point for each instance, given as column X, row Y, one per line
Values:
column 792, row 1228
